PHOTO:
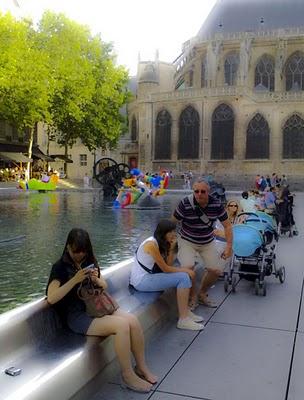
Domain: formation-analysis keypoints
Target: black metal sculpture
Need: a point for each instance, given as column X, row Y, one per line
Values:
column 110, row 174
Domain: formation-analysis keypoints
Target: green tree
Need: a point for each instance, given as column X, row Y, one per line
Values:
column 89, row 89
column 24, row 77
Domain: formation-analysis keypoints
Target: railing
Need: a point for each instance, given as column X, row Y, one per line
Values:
column 225, row 91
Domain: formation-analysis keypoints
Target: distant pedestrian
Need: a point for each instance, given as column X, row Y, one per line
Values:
column 86, row 181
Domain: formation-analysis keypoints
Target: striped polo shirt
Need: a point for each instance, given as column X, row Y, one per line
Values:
column 193, row 228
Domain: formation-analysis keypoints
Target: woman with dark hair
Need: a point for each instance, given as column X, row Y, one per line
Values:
column 153, row 270
column 66, row 275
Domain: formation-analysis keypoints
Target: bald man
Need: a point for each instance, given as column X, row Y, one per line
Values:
column 197, row 214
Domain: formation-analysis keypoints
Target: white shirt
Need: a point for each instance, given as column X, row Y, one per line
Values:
column 137, row 272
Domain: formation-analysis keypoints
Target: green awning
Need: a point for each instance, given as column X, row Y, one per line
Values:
column 15, row 157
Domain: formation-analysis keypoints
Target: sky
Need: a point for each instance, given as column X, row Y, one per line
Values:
column 135, row 27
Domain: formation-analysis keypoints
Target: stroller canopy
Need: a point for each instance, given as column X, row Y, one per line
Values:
column 246, row 240
column 261, row 221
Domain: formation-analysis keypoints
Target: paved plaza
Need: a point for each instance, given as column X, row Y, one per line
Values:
column 252, row 347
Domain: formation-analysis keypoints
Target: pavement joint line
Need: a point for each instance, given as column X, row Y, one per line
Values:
column 294, row 343
column 191, row 342
column 253, row 326
column 180, row 395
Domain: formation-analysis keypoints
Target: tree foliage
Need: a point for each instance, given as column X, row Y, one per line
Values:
column 61, row 74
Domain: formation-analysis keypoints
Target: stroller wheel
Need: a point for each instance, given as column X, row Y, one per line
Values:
column 256, row 287
column 282, row 274
column 233, row 284
column 226, row 283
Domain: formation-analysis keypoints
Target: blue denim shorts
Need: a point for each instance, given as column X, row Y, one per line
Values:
column 162, row 281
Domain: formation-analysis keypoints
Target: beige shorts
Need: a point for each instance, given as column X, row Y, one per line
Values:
column 187, row 253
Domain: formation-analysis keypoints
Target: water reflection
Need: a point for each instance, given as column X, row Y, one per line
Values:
column 37, row 225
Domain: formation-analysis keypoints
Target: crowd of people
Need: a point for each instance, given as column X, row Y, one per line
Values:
column 164, row 260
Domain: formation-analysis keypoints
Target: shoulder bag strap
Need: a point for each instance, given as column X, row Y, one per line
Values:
column 142, row 265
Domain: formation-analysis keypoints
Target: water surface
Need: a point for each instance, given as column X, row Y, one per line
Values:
column 34, row 227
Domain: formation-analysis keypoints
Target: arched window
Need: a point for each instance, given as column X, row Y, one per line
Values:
column 191, row 75
column 257, row 141
column 294, row 72
column 188, row 144
column 134, row 129
column 222, row 133
column 293, row 137
column 204, row 73
column 264, row 73
column 231, row 67
column 163, row 136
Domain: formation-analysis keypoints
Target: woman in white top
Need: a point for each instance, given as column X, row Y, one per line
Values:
column 153, row 270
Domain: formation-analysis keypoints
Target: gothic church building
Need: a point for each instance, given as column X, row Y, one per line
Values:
column 232, row 103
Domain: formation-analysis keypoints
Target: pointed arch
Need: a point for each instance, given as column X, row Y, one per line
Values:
column 264, row 73
column 294, row 72
column 222, row 136
column 231, row 67
column 188, row 143
column 163, row 136
column 257, row 138
column 134, row 129
column 293, row 137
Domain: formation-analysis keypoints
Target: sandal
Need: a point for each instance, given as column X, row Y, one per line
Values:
column 142, row 376
column 207, row 303
column 193, row 304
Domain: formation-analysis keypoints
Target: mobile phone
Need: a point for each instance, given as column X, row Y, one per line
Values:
column 91, row 266
column 13, row 371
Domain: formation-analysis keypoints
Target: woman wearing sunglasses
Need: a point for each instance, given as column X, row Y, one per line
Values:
column 232, row 209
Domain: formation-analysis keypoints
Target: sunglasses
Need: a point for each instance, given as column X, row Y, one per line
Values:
column 232, row 205
column 200, row 191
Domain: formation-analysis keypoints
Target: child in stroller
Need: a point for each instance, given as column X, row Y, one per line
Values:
column 254, row 244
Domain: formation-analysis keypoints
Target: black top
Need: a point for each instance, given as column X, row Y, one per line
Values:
column 63, row 270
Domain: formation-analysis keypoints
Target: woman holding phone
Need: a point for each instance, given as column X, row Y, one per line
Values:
column 77, row 263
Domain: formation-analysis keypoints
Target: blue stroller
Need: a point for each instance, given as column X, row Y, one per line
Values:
column 254, row 245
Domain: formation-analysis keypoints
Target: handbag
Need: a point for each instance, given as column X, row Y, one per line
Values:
column 98, row 301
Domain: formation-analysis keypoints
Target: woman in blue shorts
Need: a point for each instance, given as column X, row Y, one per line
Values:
column 153, row 270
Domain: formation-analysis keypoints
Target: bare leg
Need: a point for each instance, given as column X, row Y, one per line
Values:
column 193, row 294
column 119, row 327
column 208, row 279
column 138, row 345
column 182, row 295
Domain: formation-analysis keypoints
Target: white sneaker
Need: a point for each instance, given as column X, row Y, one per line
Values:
column 189, row 324
column 195, row 317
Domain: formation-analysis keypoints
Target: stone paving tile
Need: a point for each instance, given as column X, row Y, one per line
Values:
column 233, row 362
column 296, row 388
column 168, row 396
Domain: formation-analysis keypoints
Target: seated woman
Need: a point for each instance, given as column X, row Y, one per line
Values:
column 233, row 209
column 153, row 270
column 66, row 275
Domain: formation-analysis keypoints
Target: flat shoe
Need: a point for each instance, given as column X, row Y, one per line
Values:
column 123, row 384
column 142, row 376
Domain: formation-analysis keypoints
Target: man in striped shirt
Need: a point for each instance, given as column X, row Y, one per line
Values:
column 197, row 214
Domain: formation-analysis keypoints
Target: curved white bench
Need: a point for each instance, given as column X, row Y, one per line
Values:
column 56, row 363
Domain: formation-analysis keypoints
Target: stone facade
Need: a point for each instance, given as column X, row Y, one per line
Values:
column 199, row 79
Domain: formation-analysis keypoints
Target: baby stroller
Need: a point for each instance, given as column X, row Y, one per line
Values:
column 217, row 190
column 254, row 245
column 284, row 215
